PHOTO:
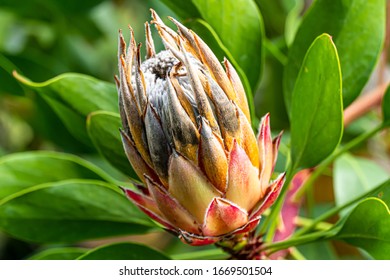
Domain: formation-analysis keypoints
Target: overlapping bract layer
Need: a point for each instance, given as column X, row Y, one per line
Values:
column 187, row 134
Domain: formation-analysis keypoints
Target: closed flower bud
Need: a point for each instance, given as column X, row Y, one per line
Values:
column 187, row 133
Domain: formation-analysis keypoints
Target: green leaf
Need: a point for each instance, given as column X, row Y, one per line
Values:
column 242, row 35
column 382, row 192
column 368, row 227
column 357, row 28
column 316, row 113
column 66, row 253
column 123, row 251
column 70, row 211
column 23, row 170
column 103, row 129
column 355, row 176
column 184, row 9
column 74, row 96
column 386, row 107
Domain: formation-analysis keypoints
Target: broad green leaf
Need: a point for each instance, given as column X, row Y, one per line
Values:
column 184, row 9
column 357, row 28
column 64, row 253
column 70, row 211
column 74, row 96
column 73, row 121
column 48, row 125
column 103, row 129
column 386, row 107
column 316, row 113
column 368, row 227
column 293, row 20
column 123, row 251
column 382, row 192
column 242, row 35
column 23, row 170
column 355, row 176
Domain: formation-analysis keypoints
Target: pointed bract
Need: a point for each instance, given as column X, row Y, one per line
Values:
column 212, row 157
column 243, row 179
column 171, row 208
column 272, row 194
column 241, row 99
column 159, row 149
column 190, row 187
column 140, row 167
column 264, row 142
column 222, row 216
column 149, row 207
column 185, row 134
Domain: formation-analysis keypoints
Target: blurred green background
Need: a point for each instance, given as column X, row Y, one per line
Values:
column 41, row 39
column 44, row 38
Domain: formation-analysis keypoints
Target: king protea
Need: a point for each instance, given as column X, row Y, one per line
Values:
column 187, row 133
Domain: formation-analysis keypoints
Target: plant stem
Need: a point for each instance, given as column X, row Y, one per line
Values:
column 327, row 215
column 273, row 217
column 364, row 104
column 274, row 247
column 296, row 255
column 276, row 53
column 324, row 164
column 305, row 222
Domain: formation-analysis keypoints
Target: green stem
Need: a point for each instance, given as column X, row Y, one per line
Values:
column 273, row 217
column 275, row 52
column 327, row 215
column 308, row 238
column 305, row 222
column 296, row 255
column 324, row 164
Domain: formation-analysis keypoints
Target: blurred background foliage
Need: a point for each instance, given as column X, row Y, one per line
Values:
column 41, row 39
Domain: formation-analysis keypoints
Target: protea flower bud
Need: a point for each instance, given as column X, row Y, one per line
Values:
column 187, row 133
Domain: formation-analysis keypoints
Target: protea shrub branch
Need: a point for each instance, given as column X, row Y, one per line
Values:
column 187, row 133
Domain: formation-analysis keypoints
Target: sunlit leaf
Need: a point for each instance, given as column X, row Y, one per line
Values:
column 357, row 28
column 316, row 113
column 368, row 227
column 73, row 97
column 23, row 170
